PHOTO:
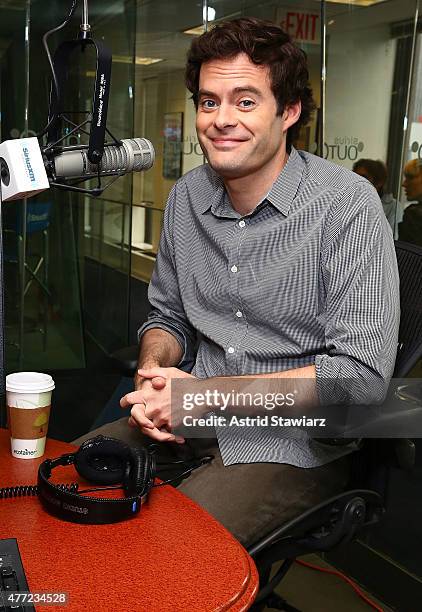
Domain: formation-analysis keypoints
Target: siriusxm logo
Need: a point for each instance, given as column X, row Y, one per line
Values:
column 28, row 164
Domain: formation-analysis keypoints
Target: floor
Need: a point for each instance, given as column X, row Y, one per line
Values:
column 312, row 591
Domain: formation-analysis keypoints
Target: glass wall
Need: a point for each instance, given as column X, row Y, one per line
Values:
column 42, row 300
column 365, row 74
column 360, row 72
column 369, row 56
column 67, row 256
column 164, row 114
column 105, row 222
column 410, row 197
column 373, row 121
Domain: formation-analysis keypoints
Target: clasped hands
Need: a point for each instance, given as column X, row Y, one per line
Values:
column 151, row 403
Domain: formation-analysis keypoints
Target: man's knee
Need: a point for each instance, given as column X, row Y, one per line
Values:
column 251, row 500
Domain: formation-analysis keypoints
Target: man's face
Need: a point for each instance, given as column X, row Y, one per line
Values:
column 237, row 123
column 413, row 180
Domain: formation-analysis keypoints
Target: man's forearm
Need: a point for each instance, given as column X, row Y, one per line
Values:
column 305, row 390
column 305, row 372
column 158, row 348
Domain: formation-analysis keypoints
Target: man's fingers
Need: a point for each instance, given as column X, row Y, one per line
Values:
column 155, row 416
column 153, row 372
column 156, row 434
column 138, row 414
column 158, row 382
column 160, row 436
column 135, row 397
column 132, row 423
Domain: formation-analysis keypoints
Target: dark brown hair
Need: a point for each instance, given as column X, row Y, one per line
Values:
column 265, row 44
column 376, row 168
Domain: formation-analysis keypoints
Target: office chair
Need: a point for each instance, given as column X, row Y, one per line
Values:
column 343, row 517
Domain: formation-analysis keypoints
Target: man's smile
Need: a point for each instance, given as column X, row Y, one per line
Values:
column 222, row 142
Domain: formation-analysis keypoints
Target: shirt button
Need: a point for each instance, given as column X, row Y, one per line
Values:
column 242, row 223
column 230, row 350
column 239, row 314
column 233, row 269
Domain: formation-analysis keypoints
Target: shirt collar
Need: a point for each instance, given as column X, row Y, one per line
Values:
column 284, row 189
column 281, row 194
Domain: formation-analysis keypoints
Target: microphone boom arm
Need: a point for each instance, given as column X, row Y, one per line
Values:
column 95, row 191
column 98, row 115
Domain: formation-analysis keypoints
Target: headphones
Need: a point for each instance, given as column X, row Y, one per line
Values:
column 103, row 461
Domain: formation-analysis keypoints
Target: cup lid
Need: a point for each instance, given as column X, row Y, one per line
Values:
column 29, row 382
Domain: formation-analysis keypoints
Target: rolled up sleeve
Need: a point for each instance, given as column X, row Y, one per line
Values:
column 362, row 307
column 167, row 310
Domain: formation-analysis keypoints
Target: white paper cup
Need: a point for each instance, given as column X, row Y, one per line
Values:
column 28, row 398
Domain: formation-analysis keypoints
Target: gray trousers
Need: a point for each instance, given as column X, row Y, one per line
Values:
column 249, row 499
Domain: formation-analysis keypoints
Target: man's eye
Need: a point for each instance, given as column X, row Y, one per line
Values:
column 246, row 103
column 208, row 104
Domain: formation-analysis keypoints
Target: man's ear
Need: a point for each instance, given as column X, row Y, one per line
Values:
column 291, row 115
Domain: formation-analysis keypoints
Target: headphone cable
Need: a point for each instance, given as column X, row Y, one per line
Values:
column 343, row 577
column 32, row 490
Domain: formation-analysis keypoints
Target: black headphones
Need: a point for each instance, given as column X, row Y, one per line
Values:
column 104, row 461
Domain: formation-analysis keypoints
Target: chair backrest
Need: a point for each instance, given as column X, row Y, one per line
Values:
column 37, row 216
column 409, row 260
column 371, row 466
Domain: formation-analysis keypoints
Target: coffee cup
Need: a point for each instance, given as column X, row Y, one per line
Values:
column 28, row 398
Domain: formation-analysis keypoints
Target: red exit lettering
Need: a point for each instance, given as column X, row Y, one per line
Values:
column 301, row 26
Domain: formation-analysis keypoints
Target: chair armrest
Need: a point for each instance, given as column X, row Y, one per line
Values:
column 334, row 521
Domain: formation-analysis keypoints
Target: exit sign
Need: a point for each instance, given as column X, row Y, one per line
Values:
column 302, row 26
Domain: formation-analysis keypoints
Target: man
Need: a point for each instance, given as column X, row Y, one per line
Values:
column 410, row 229
column 376, row 172
column 272, row 263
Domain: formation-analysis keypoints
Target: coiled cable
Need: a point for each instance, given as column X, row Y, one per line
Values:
column 32, row 490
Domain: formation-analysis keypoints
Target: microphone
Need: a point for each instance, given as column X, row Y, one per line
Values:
column 132, row 155
column 26, row 170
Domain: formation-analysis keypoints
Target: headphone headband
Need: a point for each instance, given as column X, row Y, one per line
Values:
column 137, row 467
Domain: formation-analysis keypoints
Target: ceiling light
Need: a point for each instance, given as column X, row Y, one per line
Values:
column 209, row 15
column 147, row 61
column 140, row 61
column 195, row 31
column 198, row 30
column 357, row 2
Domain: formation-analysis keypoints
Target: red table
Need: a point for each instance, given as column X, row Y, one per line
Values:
column 173, row 556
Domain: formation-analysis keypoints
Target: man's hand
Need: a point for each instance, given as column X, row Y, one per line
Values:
column 151, row 402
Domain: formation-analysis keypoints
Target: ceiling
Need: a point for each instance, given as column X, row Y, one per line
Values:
column 159, row 24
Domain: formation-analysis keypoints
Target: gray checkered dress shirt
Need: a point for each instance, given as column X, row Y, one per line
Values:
column 309, row 277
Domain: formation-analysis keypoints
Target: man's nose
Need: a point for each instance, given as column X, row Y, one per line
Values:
column 225, row 117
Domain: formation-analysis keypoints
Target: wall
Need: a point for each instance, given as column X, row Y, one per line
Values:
column 359, row 81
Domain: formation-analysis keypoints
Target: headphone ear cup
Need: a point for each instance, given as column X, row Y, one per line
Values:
column 103, row 460
column 139, row 476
